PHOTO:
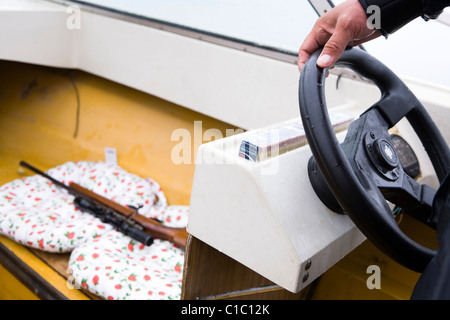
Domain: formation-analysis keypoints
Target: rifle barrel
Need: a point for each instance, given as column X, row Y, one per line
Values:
column 36, row 170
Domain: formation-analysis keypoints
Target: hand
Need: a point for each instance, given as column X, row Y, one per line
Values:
column 344, row 25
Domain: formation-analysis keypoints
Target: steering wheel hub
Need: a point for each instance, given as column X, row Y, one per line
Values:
column 383, row 155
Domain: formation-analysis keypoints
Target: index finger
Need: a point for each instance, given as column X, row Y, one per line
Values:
column 308, row 47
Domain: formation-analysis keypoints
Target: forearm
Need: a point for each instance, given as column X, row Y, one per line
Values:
column 394, row 14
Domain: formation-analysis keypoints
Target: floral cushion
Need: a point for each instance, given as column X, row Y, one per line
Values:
column 116, row 267
column 37, row 213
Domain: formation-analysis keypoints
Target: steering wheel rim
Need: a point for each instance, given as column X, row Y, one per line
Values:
column 352, row 187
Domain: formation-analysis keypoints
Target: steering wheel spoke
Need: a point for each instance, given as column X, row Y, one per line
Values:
column 415, row 199
column 395, row 106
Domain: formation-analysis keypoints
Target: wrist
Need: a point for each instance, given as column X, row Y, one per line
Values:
column 394, row 14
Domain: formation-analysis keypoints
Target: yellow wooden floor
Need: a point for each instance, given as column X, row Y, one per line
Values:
column 12, row 289
column 50, row 116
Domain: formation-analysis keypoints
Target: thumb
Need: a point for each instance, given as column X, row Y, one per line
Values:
column 334, row 48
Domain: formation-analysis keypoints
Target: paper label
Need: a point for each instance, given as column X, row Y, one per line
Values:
column 111, row 156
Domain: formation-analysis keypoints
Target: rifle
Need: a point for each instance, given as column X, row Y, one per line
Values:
column 125, row 219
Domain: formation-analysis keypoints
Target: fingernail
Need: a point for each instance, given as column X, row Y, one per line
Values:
column 324, row 60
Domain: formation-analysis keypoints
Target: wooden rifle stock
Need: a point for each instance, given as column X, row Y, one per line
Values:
column 177, row 236
column 154, row 228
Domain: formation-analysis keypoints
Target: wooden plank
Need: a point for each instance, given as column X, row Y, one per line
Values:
column 210, row 274
column 34, row 273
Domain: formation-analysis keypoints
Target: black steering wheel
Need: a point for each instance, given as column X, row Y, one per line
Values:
column 364, row 171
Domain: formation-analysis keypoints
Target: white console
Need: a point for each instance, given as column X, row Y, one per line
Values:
column 265, row 214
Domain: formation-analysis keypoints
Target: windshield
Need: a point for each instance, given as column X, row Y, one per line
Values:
column 281, row 24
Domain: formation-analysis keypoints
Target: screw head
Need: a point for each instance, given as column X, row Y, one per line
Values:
column 305, row 277
column 308, row 265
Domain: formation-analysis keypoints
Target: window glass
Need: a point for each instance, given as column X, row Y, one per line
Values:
column 280, row 24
